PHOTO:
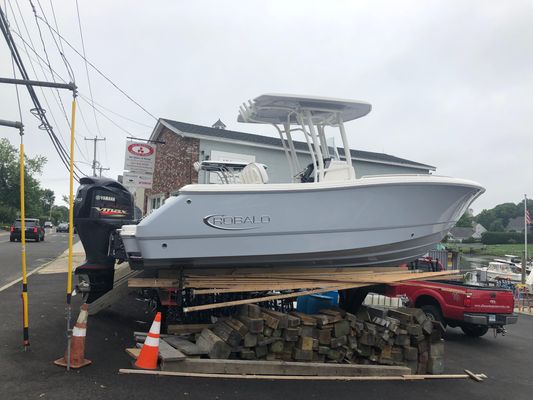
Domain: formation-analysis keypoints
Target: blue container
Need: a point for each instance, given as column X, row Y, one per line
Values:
column 312, row 303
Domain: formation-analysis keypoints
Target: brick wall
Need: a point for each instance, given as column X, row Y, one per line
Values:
column 174, row 163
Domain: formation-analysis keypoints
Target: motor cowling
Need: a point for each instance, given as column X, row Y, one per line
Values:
column 101, row 206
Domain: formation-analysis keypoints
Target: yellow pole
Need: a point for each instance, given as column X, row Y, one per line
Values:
column 70, row 230
column 71, row 202
column 25, row 318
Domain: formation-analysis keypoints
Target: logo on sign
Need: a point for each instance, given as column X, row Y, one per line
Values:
column 141, row 149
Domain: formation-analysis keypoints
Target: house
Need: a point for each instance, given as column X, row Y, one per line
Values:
column 458, row 234
column 478, row 231
column 187, row 143
column 515, row 224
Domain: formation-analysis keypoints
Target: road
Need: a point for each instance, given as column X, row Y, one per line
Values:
column 37, row 254
column 508, row 361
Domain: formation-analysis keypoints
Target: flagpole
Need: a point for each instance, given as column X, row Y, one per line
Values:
column 525, row 224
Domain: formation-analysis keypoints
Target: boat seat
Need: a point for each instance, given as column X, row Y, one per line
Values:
column 254, row 173
column 338, row 171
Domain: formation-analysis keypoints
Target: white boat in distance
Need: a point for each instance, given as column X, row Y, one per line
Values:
column 325, row 218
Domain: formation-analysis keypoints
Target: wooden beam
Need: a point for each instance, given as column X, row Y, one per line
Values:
column 406, row 377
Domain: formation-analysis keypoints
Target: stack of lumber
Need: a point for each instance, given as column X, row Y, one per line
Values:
column 301, row 281
column 401, row 337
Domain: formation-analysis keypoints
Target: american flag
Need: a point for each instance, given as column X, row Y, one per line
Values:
column 528, row 218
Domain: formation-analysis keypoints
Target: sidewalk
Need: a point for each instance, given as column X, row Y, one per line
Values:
column 60, row 264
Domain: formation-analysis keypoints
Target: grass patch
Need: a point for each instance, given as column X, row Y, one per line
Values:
column 496, row 250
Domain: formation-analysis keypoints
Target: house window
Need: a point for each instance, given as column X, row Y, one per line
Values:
column 154, row 202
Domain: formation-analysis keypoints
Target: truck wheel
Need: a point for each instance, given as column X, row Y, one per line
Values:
column 474, row 330
column 433, row 313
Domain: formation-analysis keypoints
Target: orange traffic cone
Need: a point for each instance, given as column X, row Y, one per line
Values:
column 77, row 342
column 148, row 357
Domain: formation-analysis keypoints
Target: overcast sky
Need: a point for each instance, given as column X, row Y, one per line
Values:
column 450, row 82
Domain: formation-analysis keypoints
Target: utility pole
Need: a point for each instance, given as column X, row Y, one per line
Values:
column 95, row 140
column 100, row 169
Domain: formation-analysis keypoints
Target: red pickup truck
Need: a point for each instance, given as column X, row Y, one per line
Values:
column 473, row 308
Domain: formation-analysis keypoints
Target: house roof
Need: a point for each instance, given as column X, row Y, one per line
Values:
column 461, row 233
column 515, row 224
column 200, row 131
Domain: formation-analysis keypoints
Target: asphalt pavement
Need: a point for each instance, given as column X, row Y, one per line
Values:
column 508, row 361
column 37, row 254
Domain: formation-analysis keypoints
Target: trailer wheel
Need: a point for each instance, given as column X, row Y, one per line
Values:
column 474, row 330
column 433, row 313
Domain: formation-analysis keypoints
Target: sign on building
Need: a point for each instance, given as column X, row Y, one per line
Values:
column 132, row 179
column 139, row 163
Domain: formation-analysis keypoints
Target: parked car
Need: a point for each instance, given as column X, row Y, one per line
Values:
column 33, row 230
column 48, row 224
column 62, row 227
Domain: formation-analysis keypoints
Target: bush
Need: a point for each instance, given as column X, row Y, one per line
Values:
column 470, row 240
column 504, row 238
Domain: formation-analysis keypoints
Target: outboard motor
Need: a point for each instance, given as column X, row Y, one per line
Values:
column 101, row 206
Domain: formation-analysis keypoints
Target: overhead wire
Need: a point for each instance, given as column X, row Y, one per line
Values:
column 39, row 111
column 87, row 67
column 85, row 98
column 39, row 59
column 100, row 72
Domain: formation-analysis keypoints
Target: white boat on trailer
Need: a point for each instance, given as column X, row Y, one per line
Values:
column 325, row 218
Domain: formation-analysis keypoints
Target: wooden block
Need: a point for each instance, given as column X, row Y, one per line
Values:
column 133, row 352
column 237, row 326
column 305, row 319
column 182, row 329
column 216, row 348
column 436, row 349
column 414, row 330
column 291, row 334
column 247, row 354
column 364, row 350
column 281, row 317
column 435, row 365
column 334, row 312
column 309, row 331
column 288, row 346
column 254, row 325
column 264, row 341
column 403, row 317
column 258, row 367
column 277, row 333
column 315, row 344
column 423, row 346
column 341, row 328
column 293, row 321
column 302, row 355
column 323, row 350
column 227, row 333
column 186, row 347
column 335, row 354
column 397, row 354
column 270, row 357
column 402, row 340
column 337, row 342
column 169, row 353
column 270, row 321
column 305, row 343
column 261, row 351
column 267, row 331
column 324, row 336
column 410, row 353
column 352, row 342
column 427, row 326
column 250, row 310
column 250, row 340
column 276, row 347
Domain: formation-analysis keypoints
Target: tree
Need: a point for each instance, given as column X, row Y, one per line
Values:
column 466, row 221
column 47, row 200
column 10, row 183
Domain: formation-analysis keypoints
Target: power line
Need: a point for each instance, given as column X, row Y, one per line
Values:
column 39, row 59
column 39, row 112
column 82, row 96
column 86, row 67
column 100, row 72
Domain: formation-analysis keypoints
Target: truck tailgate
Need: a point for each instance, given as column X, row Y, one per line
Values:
column 488, row 300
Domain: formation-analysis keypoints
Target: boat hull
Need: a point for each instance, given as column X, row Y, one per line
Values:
column 380, row 221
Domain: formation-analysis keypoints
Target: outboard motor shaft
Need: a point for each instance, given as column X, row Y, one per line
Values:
column 101, row 206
